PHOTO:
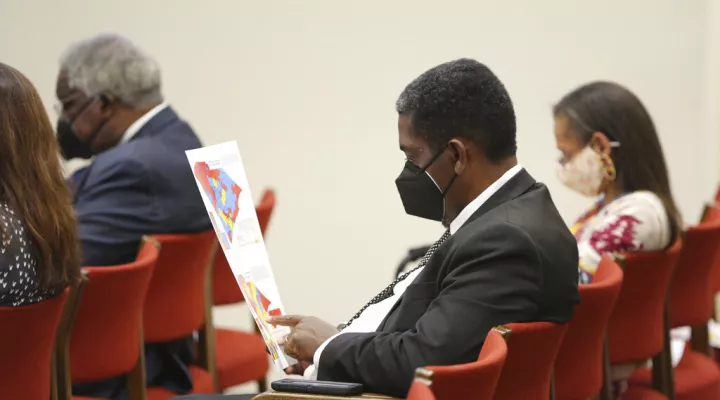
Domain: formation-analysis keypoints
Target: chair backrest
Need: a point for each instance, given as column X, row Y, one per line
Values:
column 175, row 302
column 106, row 338
column 472, row 381
column 532, row 349
column 225, row 286
column 636, row 327
column 265, row 209
column 27, row 346
column 711, row 213
column 578, row 367
column 692, row 287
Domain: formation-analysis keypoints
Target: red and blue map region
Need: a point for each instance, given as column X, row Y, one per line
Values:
column 222, row 192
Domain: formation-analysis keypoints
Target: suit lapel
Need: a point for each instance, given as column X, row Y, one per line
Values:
column 419, row 278
column 79, row 182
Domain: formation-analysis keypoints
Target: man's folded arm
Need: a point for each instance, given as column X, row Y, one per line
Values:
column 495, row 280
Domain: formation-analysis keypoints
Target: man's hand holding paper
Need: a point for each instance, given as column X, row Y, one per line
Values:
column 306, row 336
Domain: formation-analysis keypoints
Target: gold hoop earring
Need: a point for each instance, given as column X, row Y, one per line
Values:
column 608, row 167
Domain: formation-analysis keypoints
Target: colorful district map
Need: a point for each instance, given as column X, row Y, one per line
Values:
column 261, row 305
column 223, row 186
column 223, row 193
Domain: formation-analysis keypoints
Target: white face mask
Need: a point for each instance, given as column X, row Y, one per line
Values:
column 584, row 173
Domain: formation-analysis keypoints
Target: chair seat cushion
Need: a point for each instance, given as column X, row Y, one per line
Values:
column 202, row 383
column 241, row 357
column 642, row 393
column 696, row 377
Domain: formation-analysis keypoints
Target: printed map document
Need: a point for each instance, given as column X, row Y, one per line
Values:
column 223, row 186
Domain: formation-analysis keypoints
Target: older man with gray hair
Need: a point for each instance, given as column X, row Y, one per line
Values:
column 112, row 110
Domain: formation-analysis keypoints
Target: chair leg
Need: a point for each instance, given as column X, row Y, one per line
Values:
column 663, row 377
column 136, row 380
column 552, row 386
column 53, row 377
column 700, row 339
column 262, row 385
column 606, row 389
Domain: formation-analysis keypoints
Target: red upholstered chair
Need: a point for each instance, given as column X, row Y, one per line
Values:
column 532, row 348
column 635, row 331
column 178, row 303
column 711, row 213
column 578, row 367
column 697, row 376
column 473, row 381
column 27, row 346
column 106, row 338
column 420, row 390
column 241, row 356
column 642, row 393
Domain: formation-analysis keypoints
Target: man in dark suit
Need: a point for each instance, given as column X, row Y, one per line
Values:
column 507, row 256
column 139, row 181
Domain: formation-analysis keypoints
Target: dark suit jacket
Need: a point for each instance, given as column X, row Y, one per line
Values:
column 514, row 260
column 144, row 186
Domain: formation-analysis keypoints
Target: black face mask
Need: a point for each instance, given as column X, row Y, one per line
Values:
column 419, row 193
column 71, row 146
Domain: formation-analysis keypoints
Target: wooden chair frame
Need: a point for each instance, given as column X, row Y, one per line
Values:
column 61, row 384
column 207, row 349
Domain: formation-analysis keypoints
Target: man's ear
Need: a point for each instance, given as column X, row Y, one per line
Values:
column 600, row 143
column 459, row 154
column 108, row 102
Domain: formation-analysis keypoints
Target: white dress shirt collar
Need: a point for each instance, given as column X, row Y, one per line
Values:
column 133, row 129
column 474, row 205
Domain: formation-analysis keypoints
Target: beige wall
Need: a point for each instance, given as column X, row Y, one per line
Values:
column 307, row 89
column 713, row 49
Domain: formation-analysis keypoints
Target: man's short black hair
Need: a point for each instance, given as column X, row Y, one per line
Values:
column 461, row 98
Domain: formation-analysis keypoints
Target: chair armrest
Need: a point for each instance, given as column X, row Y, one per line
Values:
column 272, row 395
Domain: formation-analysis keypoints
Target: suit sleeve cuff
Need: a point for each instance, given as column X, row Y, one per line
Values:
column 318, row 352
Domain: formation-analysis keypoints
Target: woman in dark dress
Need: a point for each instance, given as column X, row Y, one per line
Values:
column 39, row 250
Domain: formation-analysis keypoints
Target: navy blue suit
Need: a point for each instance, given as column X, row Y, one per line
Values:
column 143, row 186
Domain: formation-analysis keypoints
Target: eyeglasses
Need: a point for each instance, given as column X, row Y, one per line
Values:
column 59, row 107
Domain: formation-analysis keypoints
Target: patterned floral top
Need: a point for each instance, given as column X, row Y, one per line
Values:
column 633, row 222
column 18, row 262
